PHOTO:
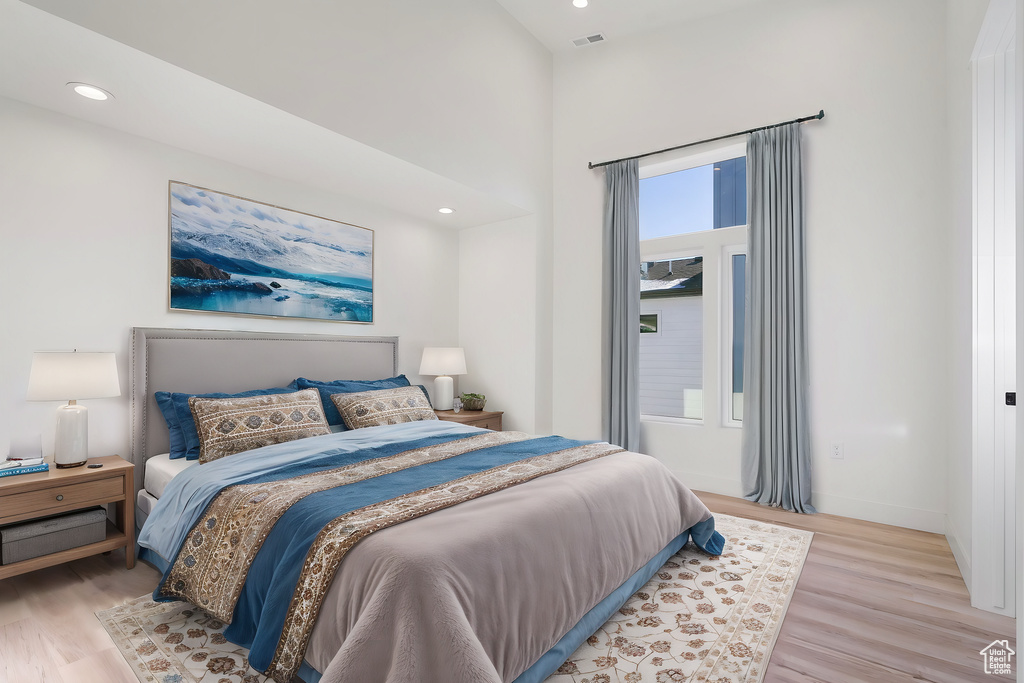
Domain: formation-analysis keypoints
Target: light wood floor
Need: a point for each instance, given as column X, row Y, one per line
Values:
column 874, row 603
column 48, row 631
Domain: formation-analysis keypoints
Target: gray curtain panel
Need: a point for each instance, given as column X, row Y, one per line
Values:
column 622, row 302
column 776, row 461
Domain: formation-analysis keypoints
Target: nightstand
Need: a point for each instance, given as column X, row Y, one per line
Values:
column 29, row 496
column 485, row 419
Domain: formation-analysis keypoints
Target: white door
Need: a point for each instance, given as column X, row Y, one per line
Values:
column 994, row 537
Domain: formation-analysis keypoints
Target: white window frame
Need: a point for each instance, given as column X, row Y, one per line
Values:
column 728, row 332
column 684, row 159
column 657, row 332
column 716, row 247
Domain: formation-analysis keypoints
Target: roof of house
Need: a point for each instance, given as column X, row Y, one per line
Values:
column 674, row 277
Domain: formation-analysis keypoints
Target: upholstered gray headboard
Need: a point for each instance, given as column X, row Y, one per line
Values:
column 202, row 361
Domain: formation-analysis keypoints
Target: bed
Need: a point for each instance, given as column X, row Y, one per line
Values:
column 499, row 587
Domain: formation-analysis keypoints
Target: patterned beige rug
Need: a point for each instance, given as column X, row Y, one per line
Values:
column 699, row 620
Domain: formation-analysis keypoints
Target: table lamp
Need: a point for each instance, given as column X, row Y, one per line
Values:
column 69, row 377
column 443, row 362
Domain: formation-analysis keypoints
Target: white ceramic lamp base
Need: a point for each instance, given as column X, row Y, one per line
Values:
column 71, row 447
column 444, row 393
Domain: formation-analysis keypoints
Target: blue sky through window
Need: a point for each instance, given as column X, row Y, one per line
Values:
column 677, row 203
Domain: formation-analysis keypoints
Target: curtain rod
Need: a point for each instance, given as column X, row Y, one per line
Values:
column 819, row 115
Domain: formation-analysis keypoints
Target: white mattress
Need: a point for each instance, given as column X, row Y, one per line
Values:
column 160, row 469
column 144, row 506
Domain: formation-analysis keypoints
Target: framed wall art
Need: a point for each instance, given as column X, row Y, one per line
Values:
column 235, row 255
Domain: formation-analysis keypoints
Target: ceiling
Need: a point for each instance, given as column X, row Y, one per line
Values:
column 556, row 22
column 39, row 50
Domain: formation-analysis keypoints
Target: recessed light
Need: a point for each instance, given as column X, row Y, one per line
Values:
column 445, row 209
column 90, row 91
column 579, row 3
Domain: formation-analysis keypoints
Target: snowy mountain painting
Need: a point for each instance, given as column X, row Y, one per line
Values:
column 234, row 255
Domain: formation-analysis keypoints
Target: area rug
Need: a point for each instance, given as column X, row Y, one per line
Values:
column 700, row 619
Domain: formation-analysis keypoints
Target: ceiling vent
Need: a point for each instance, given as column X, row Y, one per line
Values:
column 588, row 40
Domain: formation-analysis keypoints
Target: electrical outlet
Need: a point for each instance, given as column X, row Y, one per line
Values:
column 837, row 451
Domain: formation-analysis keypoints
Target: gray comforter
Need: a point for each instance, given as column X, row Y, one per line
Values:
column 476, row 593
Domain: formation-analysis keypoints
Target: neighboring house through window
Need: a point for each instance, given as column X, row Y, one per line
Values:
column 692, row 241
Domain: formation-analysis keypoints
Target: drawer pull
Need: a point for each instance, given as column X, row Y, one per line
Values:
column 60, row 497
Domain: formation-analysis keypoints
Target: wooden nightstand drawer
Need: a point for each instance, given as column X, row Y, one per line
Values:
column 485, row 419
column 58, row 498
column 488, row 423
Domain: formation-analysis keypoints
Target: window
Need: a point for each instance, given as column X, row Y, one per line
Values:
column 705, row 197
column 649, row 323
column 671, row 371
column 692, row 270
column 737, row 305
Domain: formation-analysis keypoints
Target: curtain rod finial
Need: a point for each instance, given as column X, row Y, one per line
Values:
column 821, row 114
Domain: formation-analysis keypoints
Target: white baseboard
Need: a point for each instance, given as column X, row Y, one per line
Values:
column 960, row 554
column 883, row 513
column 855, row 508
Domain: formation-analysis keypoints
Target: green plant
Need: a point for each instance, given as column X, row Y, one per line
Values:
column 467, row 394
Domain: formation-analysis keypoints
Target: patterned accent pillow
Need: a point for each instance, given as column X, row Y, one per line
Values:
column 345, row 386
column 383, row 407
column 186, row 445
column 231, row 425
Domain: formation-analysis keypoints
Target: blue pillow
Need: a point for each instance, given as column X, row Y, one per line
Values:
column 187, row 425
column 163, row 401
column 345, row 386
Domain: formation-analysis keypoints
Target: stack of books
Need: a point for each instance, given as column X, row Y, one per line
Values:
column 22, row 466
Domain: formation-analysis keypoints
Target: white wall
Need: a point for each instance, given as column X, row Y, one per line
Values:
column 876, row 194
column 457, row 87
column 497, row 322
column 83, row 258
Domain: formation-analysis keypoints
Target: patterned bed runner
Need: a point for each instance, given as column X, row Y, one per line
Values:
column 242, row 516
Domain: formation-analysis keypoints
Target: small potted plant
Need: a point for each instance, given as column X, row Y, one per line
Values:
column 473, row 401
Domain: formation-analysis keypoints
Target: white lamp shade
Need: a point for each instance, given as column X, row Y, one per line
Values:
column 72, row 376
column 443, row 361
